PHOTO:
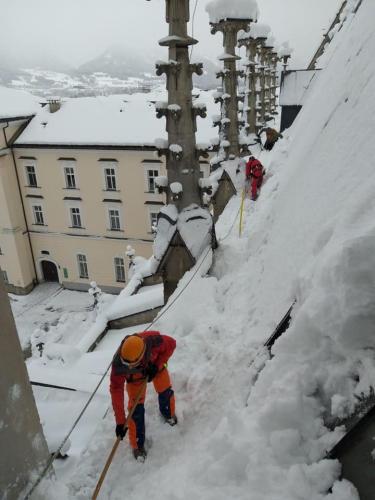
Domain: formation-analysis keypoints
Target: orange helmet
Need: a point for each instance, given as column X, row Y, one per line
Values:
column 132, row 350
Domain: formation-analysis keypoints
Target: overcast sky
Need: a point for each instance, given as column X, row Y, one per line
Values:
column 77, row 30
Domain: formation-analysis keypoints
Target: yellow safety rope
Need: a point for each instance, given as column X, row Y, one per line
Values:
column 241, row 211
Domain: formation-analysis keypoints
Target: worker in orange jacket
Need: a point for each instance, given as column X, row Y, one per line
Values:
column 142, row 356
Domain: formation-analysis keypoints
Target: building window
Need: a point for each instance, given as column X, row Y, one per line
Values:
column 5, row 277
column 153, row 220
column 151, row 174
column 110, row 179
column 31, row 176
column 75, row 216
column 114, row 219
column 70, row 180
column 82, row 266
column 120, row 269
column 38, row 215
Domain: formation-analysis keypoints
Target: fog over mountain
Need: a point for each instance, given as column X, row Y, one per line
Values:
column 78, row 47
column 78, row 30
column 114, row 71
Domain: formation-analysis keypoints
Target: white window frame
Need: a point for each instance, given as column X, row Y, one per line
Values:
column 85, row 263
column 117, row 209
column 110, row 165
column 156, row 173
column 115, row 268
column 26, row 164
column 33, row 207
column 73, row 173
column 79, row 215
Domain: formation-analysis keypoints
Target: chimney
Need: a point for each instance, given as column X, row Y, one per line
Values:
column 54, row 104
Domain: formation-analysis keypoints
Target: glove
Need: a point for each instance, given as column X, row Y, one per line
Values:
column 121, row 431
column 151, row 371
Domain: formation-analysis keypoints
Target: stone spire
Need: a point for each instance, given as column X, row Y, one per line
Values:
column 252, row 41
column 229, row 75
column 182, row 156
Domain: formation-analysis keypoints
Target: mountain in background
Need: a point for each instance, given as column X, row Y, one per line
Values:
column 117, row 70
column 118, row 62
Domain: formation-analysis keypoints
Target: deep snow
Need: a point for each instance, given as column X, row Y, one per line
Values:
column 310, row 236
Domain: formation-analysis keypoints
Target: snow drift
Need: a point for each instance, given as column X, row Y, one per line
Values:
column 311, row 237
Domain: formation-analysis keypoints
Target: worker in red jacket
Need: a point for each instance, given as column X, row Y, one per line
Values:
column 141, row 356
column 254, row 174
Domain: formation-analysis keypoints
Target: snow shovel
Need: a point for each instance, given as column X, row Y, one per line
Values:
column 117, row 442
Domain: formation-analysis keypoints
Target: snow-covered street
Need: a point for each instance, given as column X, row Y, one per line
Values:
column 47, row 309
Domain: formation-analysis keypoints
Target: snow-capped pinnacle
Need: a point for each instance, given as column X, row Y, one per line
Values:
column 220, row 10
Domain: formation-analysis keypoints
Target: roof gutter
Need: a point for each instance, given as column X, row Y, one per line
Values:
column 87, row 146
column 15, row 119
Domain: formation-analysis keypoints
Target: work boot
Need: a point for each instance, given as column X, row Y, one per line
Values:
column 140, row 454
column 171, row 421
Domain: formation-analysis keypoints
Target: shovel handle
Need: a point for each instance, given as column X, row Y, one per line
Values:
column 117, row 442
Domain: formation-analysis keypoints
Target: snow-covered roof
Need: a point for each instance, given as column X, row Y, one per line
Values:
column 17, row 103
column 119, row 120
column 219, row 10
column 294, row 86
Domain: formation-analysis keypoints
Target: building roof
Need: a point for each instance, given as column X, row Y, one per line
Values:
column 117, row 120
column 294, row 85
column 17, row 104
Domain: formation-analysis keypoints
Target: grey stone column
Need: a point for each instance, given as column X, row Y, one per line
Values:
column 268, row 81
column 23, row 447
column 253, row 74
column 230, row 28
column 262, row 82
column 182, row 157
column 274, row 85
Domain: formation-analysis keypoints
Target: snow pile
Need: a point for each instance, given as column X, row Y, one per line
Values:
column 257, row 30
column 17, row 103
column 126, row 305
column 245, row 433
column 128, row 301
column 285, row 50
column 220, row 10
column 194, row 225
